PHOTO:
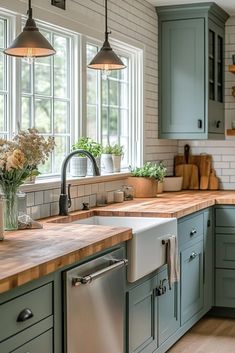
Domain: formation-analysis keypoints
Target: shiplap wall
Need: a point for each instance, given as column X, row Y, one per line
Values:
column 223, row 152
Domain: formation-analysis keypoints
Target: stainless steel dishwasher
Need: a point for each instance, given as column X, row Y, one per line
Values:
column 95, row 305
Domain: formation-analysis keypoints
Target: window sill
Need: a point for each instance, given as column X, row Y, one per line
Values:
column 46, row 184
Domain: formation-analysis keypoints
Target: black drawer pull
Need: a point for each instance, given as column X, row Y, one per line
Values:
column 24, row 315
column 193, row 232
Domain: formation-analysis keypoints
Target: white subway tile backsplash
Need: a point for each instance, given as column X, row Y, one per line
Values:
column 38, row 197
column 30, row 199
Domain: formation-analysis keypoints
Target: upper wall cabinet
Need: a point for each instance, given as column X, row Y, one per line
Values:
column 191, row 79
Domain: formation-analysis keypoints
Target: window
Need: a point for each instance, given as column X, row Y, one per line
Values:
column 46, row 99
column 59, row 97
column 4, row 81
column 109, row 114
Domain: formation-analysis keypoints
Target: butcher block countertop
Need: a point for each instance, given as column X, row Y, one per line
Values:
column 26, row 255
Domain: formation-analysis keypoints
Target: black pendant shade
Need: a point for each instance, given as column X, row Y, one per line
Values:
column 106, row 59
column 30, row 43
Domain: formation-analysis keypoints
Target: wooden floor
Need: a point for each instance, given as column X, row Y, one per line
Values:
column 209, row 335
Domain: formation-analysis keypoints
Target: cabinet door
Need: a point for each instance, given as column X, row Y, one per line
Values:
column 142, row 325
column 191, row 281
column 168, row 309
column 182, row 82
column 208, row 260
column 225, row 288
column 216, row 79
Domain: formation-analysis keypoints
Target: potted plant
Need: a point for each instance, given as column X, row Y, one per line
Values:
column 95, row 149
column 145, row 179
column 160, row 175
column 117, row 153
column 78, row 166
column 107, row 160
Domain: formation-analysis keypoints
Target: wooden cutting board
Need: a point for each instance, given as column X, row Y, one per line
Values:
column 189, row 172
column 203, row 162
column 213, row 181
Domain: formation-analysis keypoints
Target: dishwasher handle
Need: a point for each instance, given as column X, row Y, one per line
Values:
column 77, row 281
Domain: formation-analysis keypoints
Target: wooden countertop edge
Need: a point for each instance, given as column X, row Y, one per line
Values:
column 47, row 267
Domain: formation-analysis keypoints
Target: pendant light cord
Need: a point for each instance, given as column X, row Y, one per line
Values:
column 106, row 21
column 30, row 12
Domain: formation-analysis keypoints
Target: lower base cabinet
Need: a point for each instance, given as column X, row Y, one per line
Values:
column 191, row 281
column 153, row 313
column 225, row 288
column 168, row 309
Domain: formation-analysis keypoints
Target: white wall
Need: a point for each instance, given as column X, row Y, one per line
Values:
column 223, row 152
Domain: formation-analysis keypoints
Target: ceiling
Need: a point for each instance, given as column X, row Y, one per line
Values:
column 227, row 5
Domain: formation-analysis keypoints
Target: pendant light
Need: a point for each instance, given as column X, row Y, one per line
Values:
column 106, row 59
column 30, row 43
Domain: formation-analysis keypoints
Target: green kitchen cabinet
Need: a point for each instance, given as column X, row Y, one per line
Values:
column 168, row 308
column 153, row 313
column 142, row 317
column 191, row 281
column 191, row 79
column 225, row 257
column 208, row 266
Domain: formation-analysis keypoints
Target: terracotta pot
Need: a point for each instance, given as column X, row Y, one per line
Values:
column 143, row 187
column 160, row 187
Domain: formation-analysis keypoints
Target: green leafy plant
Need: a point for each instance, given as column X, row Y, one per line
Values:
column 117, row 150
column 150, row 170
column 88, row 144
column 107, row 149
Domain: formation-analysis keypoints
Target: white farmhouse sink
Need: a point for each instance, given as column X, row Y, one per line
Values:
column 145, row 250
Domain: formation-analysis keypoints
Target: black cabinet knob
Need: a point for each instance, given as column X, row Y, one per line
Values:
column 24, row 315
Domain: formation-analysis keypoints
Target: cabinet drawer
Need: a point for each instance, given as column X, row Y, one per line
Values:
column 190, row 228
column 225, row 217
column 225, row 250
column 38, row 302
column 225, row 288
column 39, row 344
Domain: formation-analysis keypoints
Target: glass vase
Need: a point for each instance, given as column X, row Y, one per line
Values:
column 10, row 211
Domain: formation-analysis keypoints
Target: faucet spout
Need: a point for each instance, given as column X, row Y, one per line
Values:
column 65, row 199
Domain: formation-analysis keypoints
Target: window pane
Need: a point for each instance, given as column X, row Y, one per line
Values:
column 25, row 113
column 43, row 115
column 91, row 52
column 2, row 113
column 105, row 92
column 25, row 77
column 61, row 117
column 91, row 87
column 124, row 99
column 61, row 66
column 124, row 72
column 91, row 121
column 113, row 122
column 60, row 152
column 113, row 92
column 43, row 76
column 47, row 167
